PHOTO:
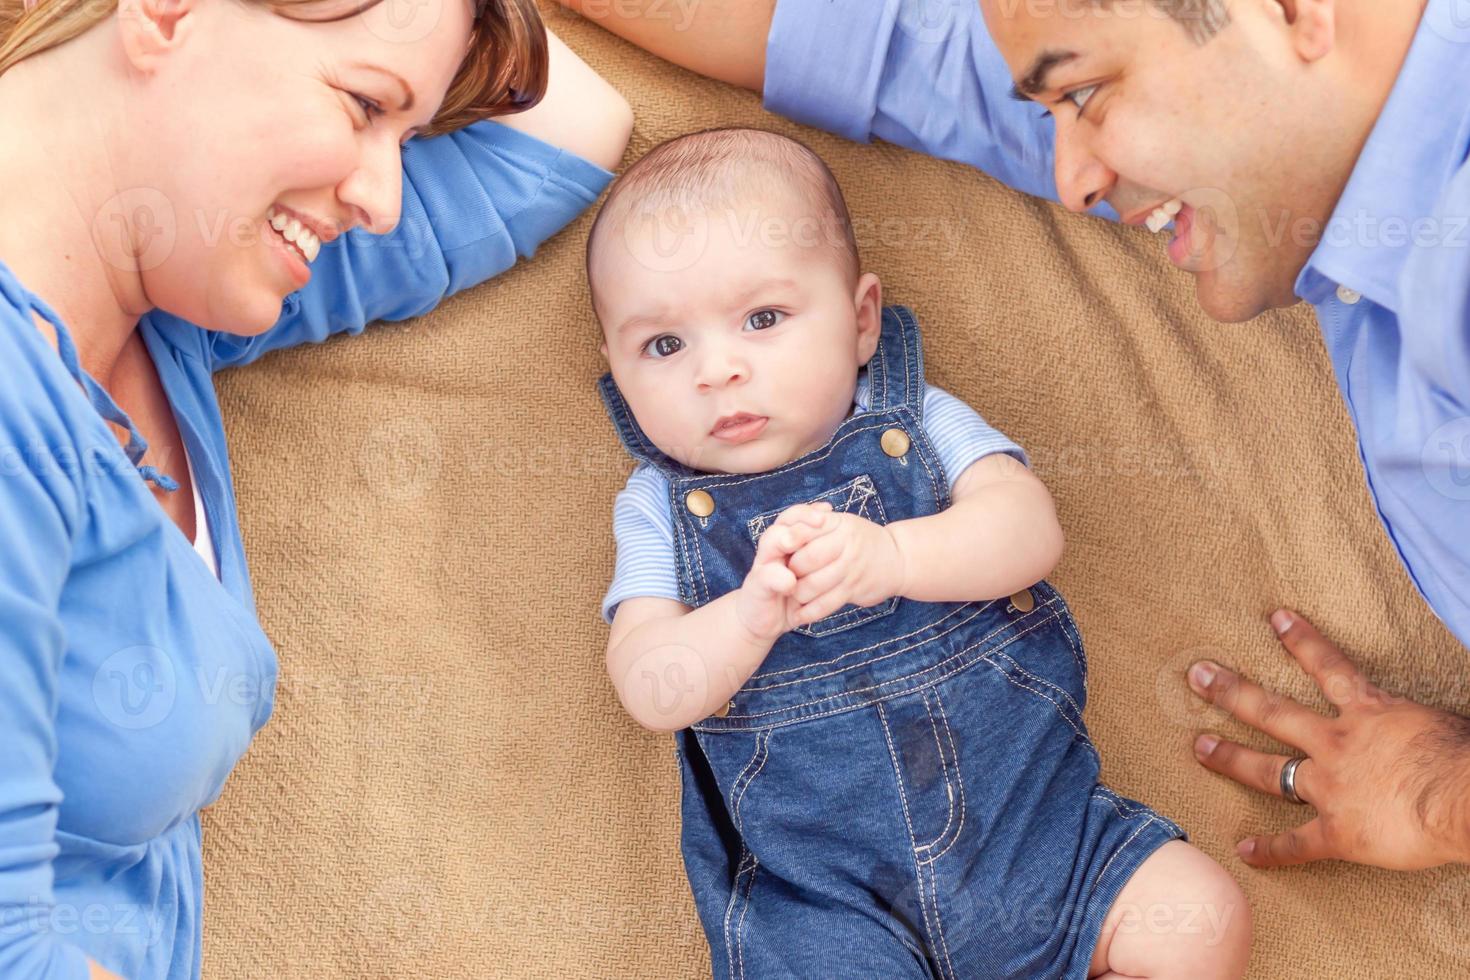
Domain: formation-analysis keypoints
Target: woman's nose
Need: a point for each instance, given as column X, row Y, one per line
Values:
column 1082, row 179
column 375, row 189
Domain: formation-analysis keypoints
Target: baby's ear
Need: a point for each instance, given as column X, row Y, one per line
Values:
column 868, row 304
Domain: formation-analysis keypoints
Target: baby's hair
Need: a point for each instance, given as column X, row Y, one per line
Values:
column 724, row 168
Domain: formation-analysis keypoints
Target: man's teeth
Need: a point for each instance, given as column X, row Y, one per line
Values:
column 300, row 236
column 1163, row 215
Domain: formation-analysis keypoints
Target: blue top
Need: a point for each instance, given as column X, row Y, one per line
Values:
column 131, row 679
column 644, row 529
column 1390, row 279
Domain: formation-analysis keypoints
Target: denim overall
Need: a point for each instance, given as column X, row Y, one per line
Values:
column 904, row 790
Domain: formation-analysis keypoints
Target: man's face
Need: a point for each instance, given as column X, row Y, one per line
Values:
column 1227, row 118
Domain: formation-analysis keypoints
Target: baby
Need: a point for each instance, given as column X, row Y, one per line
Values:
column 828, row 584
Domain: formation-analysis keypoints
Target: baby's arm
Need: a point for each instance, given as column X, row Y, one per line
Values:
column 999, row 536
column 672, row 665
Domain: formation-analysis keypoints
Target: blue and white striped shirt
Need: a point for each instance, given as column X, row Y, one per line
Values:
column 644, row 528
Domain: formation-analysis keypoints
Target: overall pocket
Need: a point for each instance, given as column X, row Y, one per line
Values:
column 859, row 497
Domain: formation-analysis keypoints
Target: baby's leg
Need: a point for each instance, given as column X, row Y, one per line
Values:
column 1180, row 917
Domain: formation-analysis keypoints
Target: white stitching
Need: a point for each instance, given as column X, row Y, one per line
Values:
column 974, row 611
column 887, row 697
column 1041, row 694
column 959, row 777
column 1042, row 680
column 944, row 768
column 888, row 656
column 903, row 800
column 1121, row 847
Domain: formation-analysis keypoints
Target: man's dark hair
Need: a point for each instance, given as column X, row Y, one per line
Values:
column 1203, row 19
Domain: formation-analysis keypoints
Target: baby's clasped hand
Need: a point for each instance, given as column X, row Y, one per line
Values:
column 850, row 560
column 813, row 561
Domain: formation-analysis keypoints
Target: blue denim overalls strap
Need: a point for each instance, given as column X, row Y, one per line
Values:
column 904, row 790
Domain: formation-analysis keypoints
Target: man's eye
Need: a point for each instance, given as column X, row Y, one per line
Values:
column 664, row 345
column 763, row 319
column 1081, row 96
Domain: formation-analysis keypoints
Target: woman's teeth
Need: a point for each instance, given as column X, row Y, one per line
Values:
column 297, row 234
column 1163, row 215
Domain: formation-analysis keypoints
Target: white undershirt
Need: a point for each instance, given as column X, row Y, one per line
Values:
column 203, row 543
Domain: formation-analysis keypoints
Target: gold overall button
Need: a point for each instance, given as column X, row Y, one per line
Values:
column 895, row 442
column 722, row 710
column 700, row 503
column 1024, row 601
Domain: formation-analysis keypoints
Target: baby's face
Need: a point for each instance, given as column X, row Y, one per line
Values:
column 738, row 350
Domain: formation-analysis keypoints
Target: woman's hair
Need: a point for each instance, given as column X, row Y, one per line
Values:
column 504, row 72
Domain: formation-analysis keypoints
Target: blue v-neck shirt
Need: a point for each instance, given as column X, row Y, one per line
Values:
column 131, row 679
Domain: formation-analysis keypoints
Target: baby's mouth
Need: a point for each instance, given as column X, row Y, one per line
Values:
column 738, row 427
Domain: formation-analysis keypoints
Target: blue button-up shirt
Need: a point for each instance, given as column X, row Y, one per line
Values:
column 1390, row 279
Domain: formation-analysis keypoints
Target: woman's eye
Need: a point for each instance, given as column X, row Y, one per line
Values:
column 369, row 107
column 1081, row 96
column 664, row 346
column 763, row 319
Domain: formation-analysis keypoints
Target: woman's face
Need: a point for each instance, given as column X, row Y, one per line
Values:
column 241, row 114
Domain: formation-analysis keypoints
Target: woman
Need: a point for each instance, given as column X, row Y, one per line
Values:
column 185, row 162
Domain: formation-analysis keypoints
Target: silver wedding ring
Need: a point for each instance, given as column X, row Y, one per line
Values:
column 1288, row 779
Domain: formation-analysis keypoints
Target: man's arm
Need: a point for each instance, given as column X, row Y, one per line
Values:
column 924, row 75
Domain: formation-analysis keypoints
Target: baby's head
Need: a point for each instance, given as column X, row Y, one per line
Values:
column 725, row 275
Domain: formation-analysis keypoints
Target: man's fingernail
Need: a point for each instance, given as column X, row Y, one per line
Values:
column 1204, row 745
column 1202, row 673
column 1281, row 621
column 1246, row 848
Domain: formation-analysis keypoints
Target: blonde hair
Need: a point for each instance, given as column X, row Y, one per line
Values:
column 504, row 72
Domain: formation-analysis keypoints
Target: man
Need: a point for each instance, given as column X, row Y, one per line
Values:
column 1311, row 149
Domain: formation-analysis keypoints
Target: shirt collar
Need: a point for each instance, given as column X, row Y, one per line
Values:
column 1415, row 147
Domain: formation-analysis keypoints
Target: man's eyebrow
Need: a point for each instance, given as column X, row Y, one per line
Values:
column 1034, row 80
column 407, row 88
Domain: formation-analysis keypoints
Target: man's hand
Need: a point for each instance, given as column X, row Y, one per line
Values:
column 851, row 560
column 1389, row 778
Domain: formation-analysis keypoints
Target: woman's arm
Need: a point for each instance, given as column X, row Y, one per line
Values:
column 580, row 112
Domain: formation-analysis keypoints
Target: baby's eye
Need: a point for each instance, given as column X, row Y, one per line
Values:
column 664, row 345
column 763, row 319
column 1081, row 96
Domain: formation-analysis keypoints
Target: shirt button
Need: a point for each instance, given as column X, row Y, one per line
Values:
column 1024, row 601
column 1348, row 296
column 700, row 503
column 895, row 442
